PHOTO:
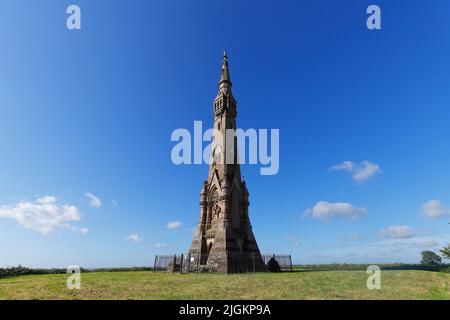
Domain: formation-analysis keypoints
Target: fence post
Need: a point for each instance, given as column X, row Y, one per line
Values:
column 189, row 263
column 174, row 262
column 154, row 264
column 181, row 263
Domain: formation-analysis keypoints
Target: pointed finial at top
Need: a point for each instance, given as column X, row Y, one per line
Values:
column 225, row 76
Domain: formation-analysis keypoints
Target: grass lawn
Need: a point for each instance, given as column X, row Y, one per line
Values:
column 294, row 285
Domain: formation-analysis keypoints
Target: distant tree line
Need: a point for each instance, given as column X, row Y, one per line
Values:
column 431, row 261
column 21, row 270
column 363, row 267
column 357, row 267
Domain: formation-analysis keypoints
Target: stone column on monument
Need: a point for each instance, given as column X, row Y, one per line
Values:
column 208, row 215
column 203, row 205
column 226, row 201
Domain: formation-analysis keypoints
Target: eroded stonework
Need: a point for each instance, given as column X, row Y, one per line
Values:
column 224, row 239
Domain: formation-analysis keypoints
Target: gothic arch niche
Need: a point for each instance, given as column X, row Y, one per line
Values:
column 212, row 192
column 216, row 211
column 213, row 197
column 213, row 209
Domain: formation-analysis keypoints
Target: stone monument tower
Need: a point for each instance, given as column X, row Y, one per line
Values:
column 224, row 239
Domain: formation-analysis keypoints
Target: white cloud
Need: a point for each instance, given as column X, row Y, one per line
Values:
column 326, row 211
column 434, row 209
column 173, row 224
column 427, row 243
column 160, row 245
column 360, row 172
column 94, row 201
column 398, row 232
column 134, row 238
column 84, row 230
column 44, row 215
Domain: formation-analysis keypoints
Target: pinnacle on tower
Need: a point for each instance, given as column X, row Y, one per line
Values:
column 225, row 79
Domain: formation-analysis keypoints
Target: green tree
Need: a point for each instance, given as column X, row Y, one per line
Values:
column 431, row 259
column 446, row 252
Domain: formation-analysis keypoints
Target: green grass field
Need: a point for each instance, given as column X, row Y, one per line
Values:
column 294, row 285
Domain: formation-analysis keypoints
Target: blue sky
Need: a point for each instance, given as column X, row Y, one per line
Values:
column 91, row 111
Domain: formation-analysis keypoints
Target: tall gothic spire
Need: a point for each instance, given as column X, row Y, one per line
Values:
column 224, row 240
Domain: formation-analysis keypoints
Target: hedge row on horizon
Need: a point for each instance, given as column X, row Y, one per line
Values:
column 21, row 270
